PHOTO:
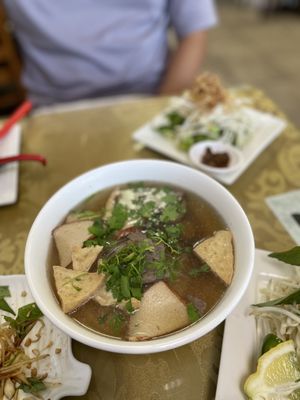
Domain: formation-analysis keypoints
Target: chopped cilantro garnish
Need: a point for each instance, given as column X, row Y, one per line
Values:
column 196, row 271
column 193, row 312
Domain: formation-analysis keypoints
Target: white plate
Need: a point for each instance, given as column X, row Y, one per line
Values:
column 73, row 376
column 266, row 128
column 10, row 146
column 241, row 343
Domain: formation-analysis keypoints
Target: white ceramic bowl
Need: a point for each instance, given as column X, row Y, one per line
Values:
column 198, row 150
column 73, row 193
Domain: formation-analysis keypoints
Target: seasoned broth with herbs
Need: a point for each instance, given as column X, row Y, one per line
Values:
column 141, row 260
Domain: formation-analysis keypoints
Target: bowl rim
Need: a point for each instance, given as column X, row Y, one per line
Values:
column 214, row 317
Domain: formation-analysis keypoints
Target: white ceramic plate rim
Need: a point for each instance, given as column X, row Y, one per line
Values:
column 240, row 340
column 269, row 128
column 78, row 375
column 91, row 182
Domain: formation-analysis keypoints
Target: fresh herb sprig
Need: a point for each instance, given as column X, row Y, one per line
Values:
column 103, row 230
column 27, row 316
column 33, row 385
column 291, row 256
column 193, row 312
column 124, row 270
column 4, row 306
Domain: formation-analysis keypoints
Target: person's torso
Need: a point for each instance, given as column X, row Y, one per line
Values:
column 87, row 48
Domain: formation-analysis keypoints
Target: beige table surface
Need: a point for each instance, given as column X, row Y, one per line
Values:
column 76, row 141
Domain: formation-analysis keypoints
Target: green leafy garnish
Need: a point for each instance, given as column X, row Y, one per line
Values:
column 269, row 342
column 4, row 306
column 26, row 318
column 169, row 129
column 293, row 298
column 103, row 230
column 33, row 386
column 193, row 312
column 291, row 256
column 197, row 271
column 124, row 270
column 115, row 321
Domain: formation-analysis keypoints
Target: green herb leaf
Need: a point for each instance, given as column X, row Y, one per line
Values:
column 197, row 271
column 4, row 291
column 175, row 118
column 5, row 307
column 293, row 298
column 116, row 322
column 34, row 385
column 291, row 256
column 270, row 341
column 125, row 287
column 193, row 312
column 26, row 318
column 128, row 306
column 118, row 218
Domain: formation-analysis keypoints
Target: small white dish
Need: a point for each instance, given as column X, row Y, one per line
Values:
column 66, row 375
column 198, row 150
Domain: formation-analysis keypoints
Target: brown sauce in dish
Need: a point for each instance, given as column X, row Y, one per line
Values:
column 219, row 160
column 203, row 289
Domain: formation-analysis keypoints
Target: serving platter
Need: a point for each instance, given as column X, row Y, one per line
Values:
column 9, row 173
column 241, row 339
column 266, row 128
column 66, row 375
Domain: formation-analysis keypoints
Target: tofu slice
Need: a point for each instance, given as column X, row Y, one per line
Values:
column 69, row 236
column 104, row 297
column 160, row 312
column 217, row 252
column 74, row 288
column 84, row 257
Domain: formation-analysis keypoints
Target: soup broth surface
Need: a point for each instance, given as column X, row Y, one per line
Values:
column 171, row 229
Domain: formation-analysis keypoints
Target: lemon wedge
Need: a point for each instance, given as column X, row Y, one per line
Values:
column 277, row 375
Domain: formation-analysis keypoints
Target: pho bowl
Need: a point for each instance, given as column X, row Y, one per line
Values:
column 39, row 243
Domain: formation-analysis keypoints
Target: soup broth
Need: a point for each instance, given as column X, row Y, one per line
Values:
column 151, row 269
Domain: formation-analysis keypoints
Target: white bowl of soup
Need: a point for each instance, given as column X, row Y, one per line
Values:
column 139, row 256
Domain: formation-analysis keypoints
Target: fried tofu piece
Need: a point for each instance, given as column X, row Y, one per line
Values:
column 84, row 257
column 104, row 297
column 69, row 236
column 217, row 252
column 74, row 288
column 161, row 311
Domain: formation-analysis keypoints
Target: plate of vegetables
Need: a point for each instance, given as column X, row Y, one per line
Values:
column 36, row 359
column 209, row 112
column 261, row 346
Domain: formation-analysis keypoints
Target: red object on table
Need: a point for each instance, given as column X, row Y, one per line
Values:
column 23, row 157
column 20, row 112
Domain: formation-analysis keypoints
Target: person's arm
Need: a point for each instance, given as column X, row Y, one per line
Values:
column 184, row 65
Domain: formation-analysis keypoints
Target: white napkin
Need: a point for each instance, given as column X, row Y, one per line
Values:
column 9, row 173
